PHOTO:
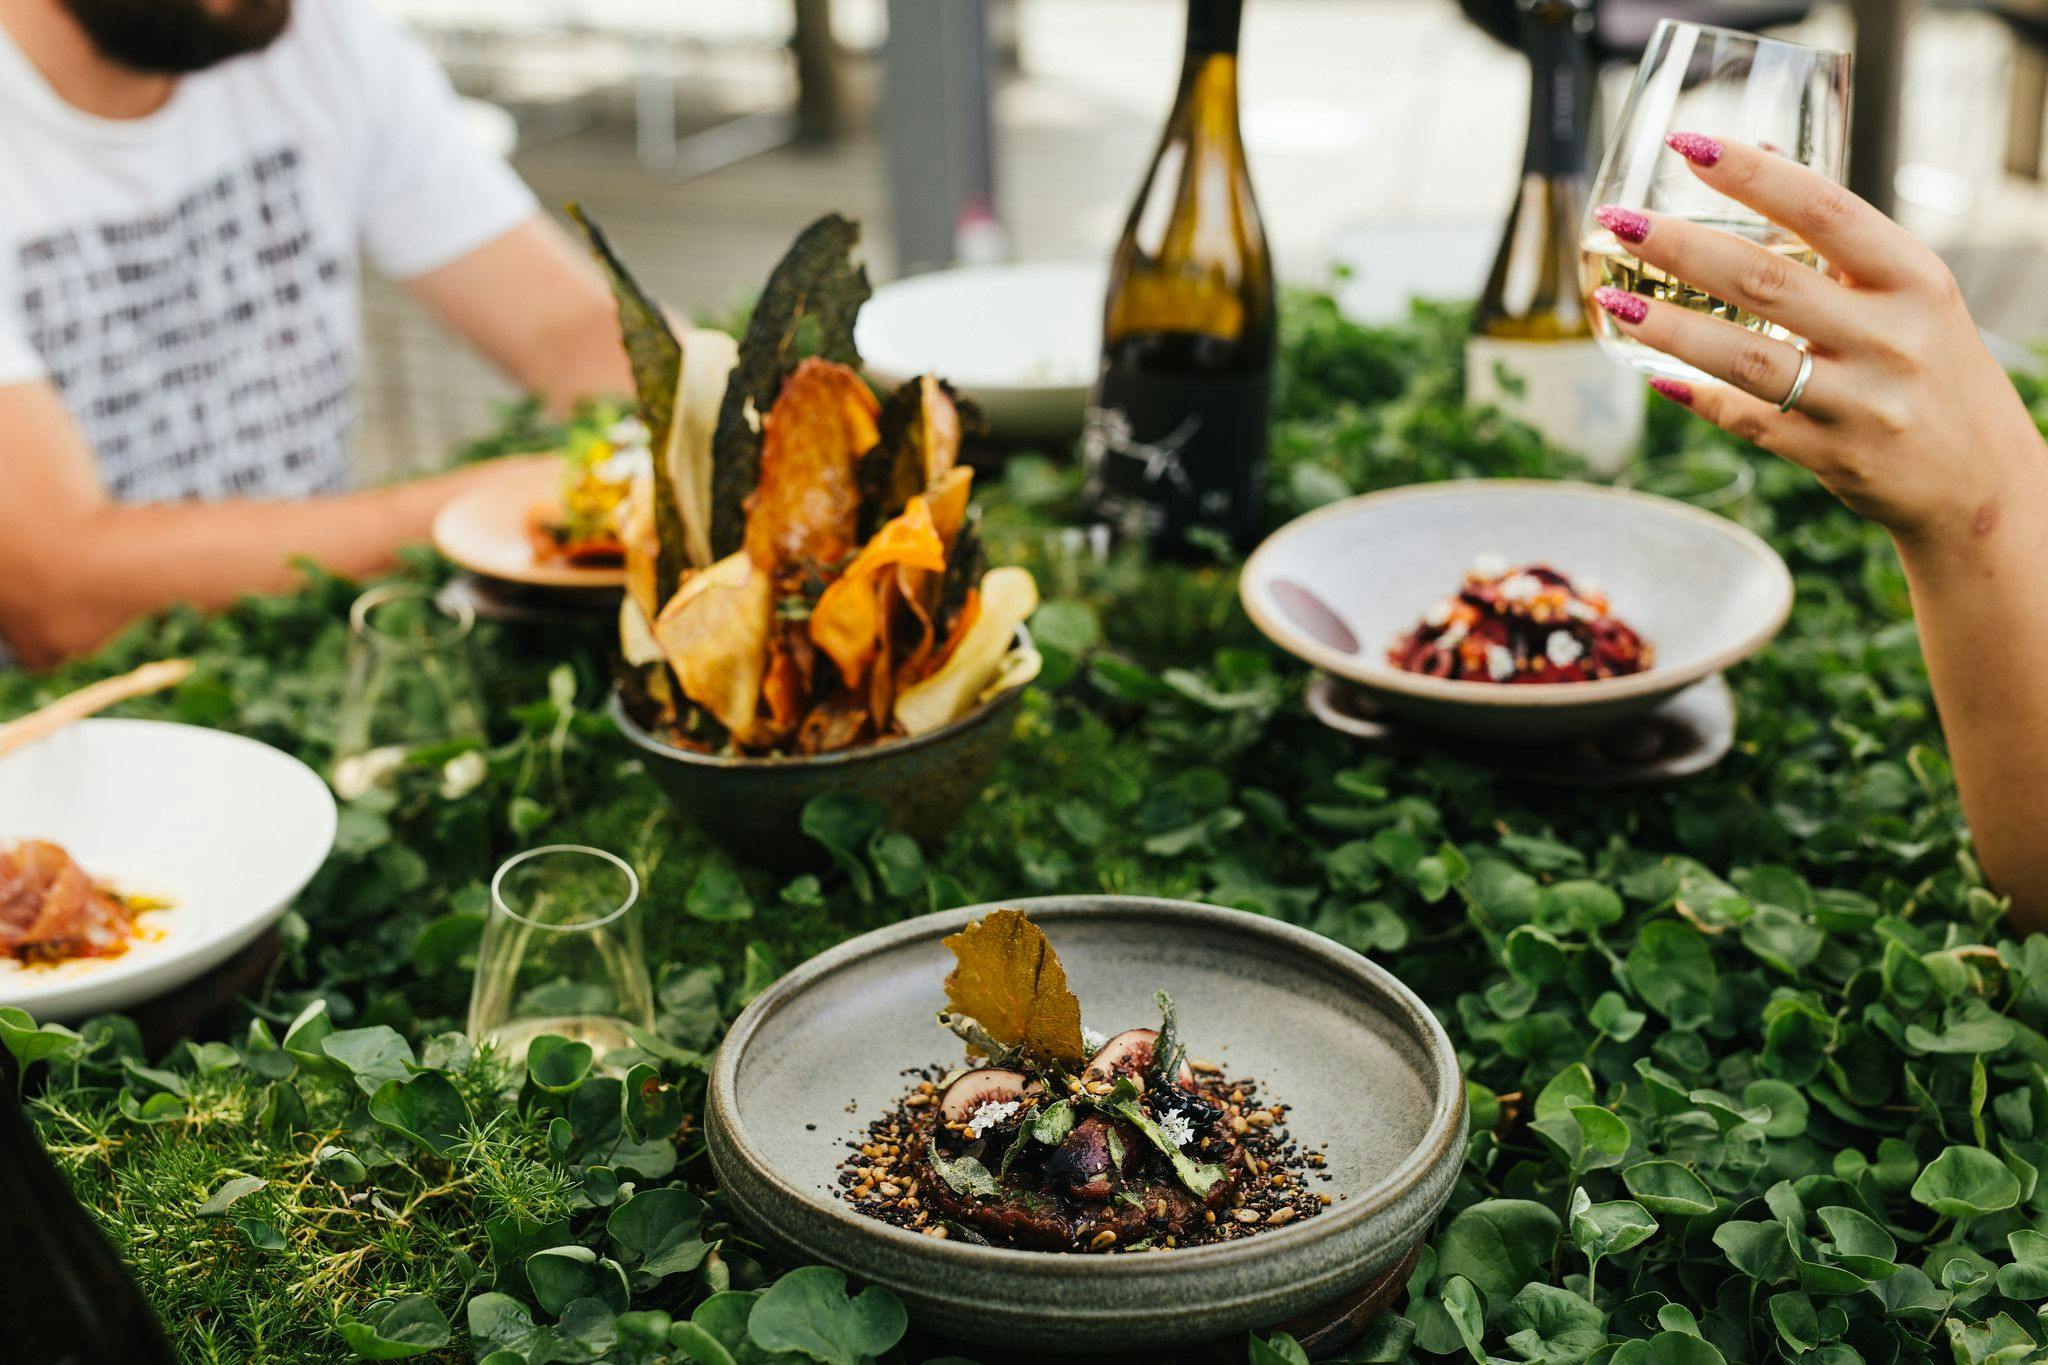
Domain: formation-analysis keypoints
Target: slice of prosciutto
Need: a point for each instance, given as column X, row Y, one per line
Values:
column 51, row 910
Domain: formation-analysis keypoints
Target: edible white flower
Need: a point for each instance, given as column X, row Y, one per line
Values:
column 1439, row 613
column 1562, row 649
column 624, row 465
column 1523, row 587
column 1500, row 664
column 462, row 774
column 1487, row 566
column 1092, row 1041
column 991, row 1113
column 1178, row 1130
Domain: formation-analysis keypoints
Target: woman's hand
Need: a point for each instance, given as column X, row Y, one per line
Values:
column 1906, row 416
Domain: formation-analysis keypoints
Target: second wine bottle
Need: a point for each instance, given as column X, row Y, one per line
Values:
column 1175, row 443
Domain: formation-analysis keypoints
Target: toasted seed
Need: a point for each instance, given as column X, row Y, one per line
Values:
column 1278, row 1216
column 1100, row 1087
column 1205, row 1066
column 1247, row 1215
column 1237, row 1097
column 1104, row 1238
column 937, row 1230
column 918, row 1101
column 1279, row 1178
column 1260, row 1119
column 1239, row 1126
column 1323, row 1198
column 891, row 1188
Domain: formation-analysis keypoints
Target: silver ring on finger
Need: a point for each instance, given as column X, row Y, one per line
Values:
column 1798, row 390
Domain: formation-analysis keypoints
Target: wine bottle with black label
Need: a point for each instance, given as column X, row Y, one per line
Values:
column 1175, row 442
column 65, row 1298
column 1532, row 351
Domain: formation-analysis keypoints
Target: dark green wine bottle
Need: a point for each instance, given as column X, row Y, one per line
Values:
column 1175, row 443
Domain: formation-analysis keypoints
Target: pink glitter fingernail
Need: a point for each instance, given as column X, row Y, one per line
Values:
column 1697, row 148
column 1677, row 392
column 1626, row 224
column 1624, row 305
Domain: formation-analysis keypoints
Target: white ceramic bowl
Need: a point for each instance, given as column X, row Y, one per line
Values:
column 1701, row 589
column 226, row 829
column 1022, row 341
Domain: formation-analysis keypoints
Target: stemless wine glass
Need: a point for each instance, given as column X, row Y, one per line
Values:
column 410, row 690
column 561, row 953
column 1784, row 97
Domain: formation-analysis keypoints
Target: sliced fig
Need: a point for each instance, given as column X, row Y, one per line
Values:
column 1091, row 1157
column 1130, row 1054
column 989, row 1085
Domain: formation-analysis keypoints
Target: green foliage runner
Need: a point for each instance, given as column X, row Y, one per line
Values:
column 1757, row 1068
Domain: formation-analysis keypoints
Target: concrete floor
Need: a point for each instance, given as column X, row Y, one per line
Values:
column 1385, row 133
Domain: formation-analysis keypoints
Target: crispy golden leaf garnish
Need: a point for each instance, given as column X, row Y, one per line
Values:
column 849, row 620
column 919, row 586
column 714, row 633
column 806, row 508
column 1009, row 980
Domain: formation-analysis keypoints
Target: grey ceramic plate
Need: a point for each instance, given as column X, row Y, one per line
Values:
column 1364, row 1067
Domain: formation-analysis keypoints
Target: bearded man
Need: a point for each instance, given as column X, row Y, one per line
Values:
column 187, row 191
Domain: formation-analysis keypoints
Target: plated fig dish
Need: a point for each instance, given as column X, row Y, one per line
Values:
column 52, row 910
column 1521, row 625
column 804, row 569
column 1051, row 1139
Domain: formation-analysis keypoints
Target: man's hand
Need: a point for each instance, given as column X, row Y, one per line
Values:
column 75, row 566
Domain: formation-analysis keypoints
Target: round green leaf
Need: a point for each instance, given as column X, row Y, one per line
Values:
column 1965, row 1181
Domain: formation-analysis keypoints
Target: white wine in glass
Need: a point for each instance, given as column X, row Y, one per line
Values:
column 1784, row 97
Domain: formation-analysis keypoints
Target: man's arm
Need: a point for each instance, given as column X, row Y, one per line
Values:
column 538, row 307
column 75, row 566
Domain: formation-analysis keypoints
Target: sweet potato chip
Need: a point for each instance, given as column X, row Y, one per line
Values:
column 1008, row 596
column 849, row 619
column 806, row 509
column 1007, row 978
column 714, row 633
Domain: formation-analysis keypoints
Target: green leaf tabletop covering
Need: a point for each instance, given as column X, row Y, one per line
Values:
column 1757, row 1068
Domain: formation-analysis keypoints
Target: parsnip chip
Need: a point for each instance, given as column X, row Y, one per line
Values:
column 714, row 633
column 641, row 542
column 806, row 509
column 849, row 619
column 1008, row 596
column 1007, row 978
column 708, row 359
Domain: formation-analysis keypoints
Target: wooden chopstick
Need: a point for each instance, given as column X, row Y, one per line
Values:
column 93, row 698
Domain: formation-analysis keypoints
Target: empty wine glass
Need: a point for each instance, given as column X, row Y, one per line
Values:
column 1784, row 97
column 412, row 695
column 561, row 953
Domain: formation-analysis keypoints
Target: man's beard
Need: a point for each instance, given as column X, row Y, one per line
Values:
column 174, row 37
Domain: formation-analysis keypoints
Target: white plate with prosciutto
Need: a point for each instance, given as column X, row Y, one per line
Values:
column 135, row 855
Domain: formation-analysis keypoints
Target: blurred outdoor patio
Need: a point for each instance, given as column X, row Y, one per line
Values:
column 1383, row 134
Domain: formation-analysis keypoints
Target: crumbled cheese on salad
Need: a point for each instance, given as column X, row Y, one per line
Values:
column 1439, row 613
column 1487, row 565
column 1500, row 663
column 1521, row 588
column 991, row 1113
column 1562, row 649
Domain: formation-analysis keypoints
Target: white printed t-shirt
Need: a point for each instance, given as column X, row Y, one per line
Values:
column 188, row 280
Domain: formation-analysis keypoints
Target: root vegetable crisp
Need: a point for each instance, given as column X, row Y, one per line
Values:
column 1521, row 625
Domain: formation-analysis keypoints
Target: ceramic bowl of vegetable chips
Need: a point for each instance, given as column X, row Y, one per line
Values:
column 753, row 805
column 1370, row 1079
column 1347, row 583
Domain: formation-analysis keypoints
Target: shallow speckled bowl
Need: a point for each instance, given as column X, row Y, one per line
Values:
column 1337, row 586
column 753, row 807
column 1364, row 1067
